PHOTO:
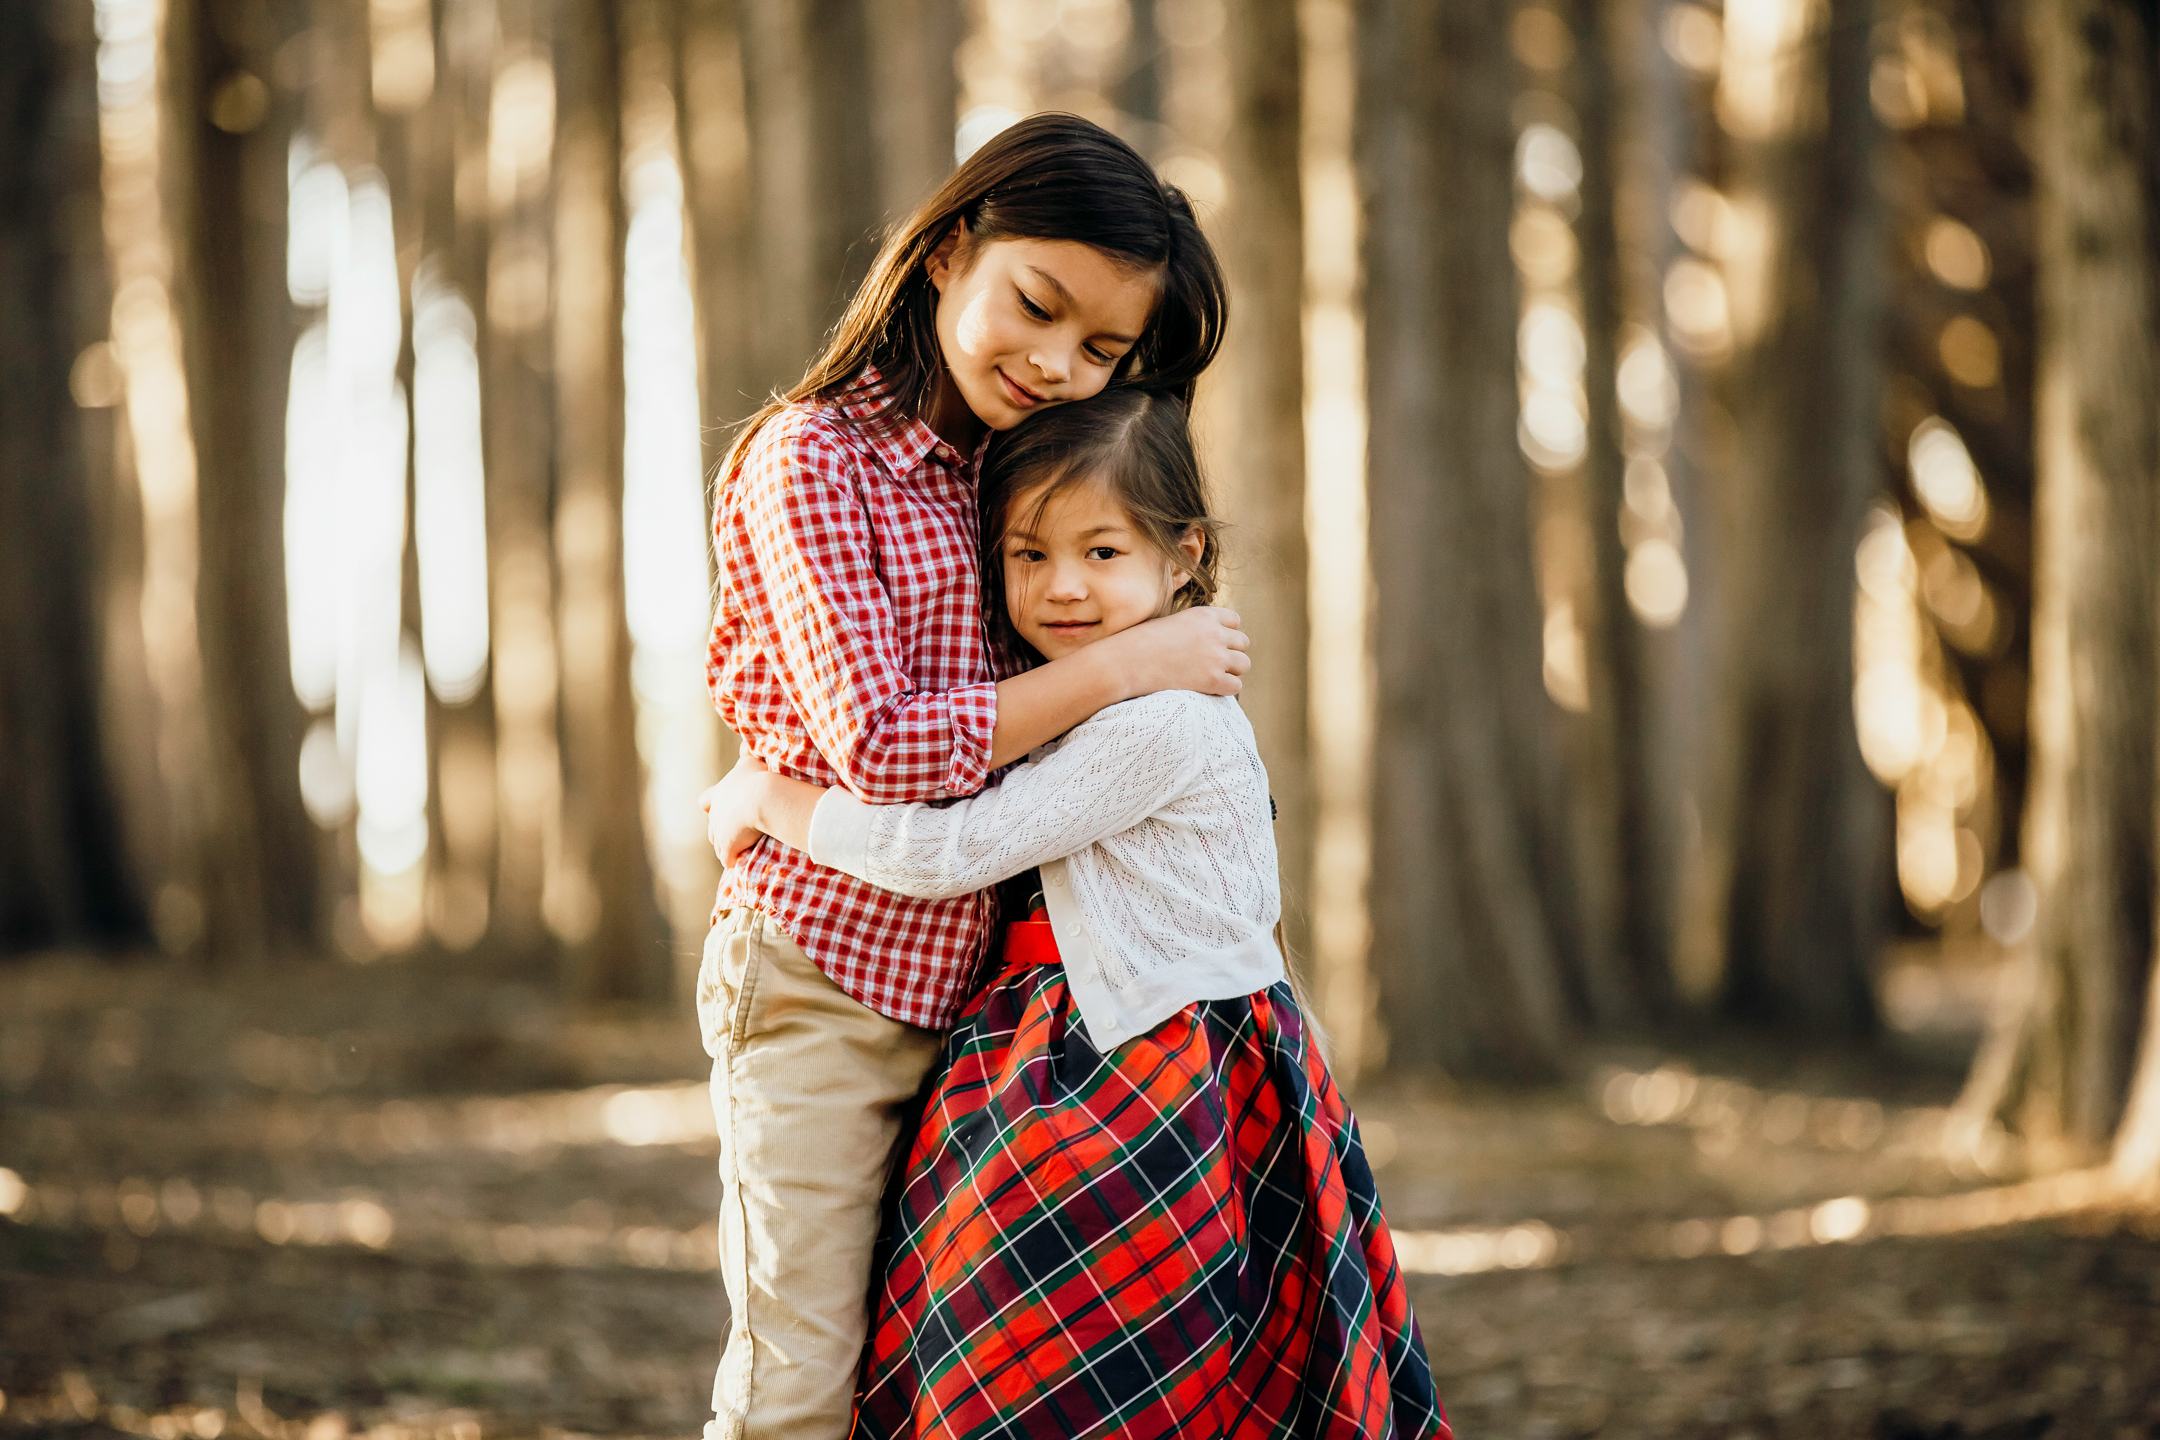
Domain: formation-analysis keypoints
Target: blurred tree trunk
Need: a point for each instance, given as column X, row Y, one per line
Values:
column 2060, row 1072
column 1626, row 959
column 63, row 876
column 716, row 181
column 1468, row 861
column 714, row 134
column 1261, row 468
column 445, row 182
column 1140, row 92
column 1659, row 126
column 916, row 95
column 816, row 189
column 258, row 879
column 532, row 887
column 615, row 948
column 808, row 126
column 1801, row 819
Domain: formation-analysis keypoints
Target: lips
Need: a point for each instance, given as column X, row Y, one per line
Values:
column 1019, row 394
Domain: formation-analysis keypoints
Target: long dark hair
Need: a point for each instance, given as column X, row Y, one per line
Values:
column 1133, row 441
column 1048, row 177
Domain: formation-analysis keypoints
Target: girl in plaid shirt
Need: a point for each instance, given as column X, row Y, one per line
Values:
column 848, row 652
column 1137, row 1205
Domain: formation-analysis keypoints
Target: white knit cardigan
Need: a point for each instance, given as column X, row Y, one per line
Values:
column 1152, row 826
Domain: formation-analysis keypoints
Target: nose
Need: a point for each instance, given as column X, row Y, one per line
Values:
column 1053, row 363
column 1068, row 582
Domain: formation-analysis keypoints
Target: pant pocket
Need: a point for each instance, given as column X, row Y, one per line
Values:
column 727, row 982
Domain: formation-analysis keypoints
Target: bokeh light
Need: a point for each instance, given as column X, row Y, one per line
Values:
column 1956, row 255
column 1946, row 480
column 1548, row 164
column 1917, row 732
column 449, row 489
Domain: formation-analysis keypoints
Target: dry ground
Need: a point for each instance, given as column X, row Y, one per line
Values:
column 418, row 1203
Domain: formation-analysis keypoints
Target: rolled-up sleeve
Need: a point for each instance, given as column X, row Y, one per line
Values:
column 806, row 545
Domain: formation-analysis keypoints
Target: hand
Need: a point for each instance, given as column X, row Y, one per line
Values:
column 1199, row 649
column 731, row 809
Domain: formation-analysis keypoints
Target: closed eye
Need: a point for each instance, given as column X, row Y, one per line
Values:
column 1034, row 311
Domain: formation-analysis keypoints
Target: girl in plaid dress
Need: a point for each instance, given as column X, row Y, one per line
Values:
column 1137, row 1205
column 847, row 650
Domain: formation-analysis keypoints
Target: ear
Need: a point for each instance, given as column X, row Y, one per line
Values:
column 1192, row 545
column 940, row 263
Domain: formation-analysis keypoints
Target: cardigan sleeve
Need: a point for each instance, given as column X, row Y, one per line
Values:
column 1107, row 775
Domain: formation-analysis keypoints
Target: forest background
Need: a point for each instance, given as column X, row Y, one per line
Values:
column 1694, row 476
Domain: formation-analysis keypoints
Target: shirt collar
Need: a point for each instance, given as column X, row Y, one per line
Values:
column 900, row 441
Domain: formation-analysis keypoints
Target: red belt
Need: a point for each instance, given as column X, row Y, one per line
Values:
column 1029, row 941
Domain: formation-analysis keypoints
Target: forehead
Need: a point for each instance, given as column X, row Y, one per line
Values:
column 1108, row 294
column 1082, row 505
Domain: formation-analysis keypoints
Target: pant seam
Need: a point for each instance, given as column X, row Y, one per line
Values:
column 753, row 967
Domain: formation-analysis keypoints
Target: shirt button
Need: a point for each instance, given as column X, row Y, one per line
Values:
column 1054, row 880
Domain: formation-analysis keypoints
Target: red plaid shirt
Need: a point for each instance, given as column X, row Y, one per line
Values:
column 848, row 649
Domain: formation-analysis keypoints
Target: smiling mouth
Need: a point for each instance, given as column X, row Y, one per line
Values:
column 1020, row 394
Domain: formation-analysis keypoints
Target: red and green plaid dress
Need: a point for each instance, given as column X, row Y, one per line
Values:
column 1179, row 1239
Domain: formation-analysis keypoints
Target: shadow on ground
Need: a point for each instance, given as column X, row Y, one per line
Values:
column 421, row 1204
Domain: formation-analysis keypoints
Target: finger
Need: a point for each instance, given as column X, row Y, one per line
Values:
column 1228, row 617
column 1237, row 662
column 1237, row 639
column 705, row 798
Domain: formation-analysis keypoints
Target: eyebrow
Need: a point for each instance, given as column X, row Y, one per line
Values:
column 1023, row 535
column 1065, row 297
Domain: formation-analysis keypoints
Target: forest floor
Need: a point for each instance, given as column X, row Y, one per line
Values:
column 406, row 1202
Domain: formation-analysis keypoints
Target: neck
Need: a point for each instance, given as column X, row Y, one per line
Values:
column 951, row 419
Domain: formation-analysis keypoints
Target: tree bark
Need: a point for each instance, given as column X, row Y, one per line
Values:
column 1659, row 127
column 709, row 91
column 1627, row 959
column 1260, row 470
column 446, row 160
column 517, row 403
column 1801, row 819
column 1469, row 888
column 258, row 849
column 813, row 169
column 616, row 952
column 2061, row 1071
column 916, row 95
column 63, row 878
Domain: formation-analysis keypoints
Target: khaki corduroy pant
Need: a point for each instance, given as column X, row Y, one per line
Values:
column 810, row 1087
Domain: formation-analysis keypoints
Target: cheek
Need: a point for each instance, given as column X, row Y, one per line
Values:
column 975, row 331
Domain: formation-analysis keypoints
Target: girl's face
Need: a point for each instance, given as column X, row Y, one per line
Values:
column 1078, row 569
column 1033, row 323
